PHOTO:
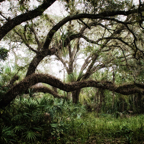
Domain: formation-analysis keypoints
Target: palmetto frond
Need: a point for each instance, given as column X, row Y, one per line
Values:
column 31, row 135
column 6, row 134
column 19, row 128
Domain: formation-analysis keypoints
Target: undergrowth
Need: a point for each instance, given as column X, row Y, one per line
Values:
column 45, row 120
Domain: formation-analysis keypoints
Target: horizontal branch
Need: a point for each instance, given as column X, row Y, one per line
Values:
column 45, row 89
column 33, row 79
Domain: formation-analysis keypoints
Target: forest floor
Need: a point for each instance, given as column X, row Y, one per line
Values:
column 45, row 121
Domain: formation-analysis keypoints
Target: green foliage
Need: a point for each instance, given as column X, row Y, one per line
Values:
column 104, row 129
column 24, row 121
column 71, row 77
column 6, row 134
column 30, row 135
column 6, row 75
column 84, row 98
column 3, row 53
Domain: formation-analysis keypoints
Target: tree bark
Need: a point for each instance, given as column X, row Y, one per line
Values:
column 103, row 15
column 75, row 96
column 33, row 79
column 34, row 63
column 9, row 25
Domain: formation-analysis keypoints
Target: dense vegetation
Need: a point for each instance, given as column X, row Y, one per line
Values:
column 45, row 120
column 71, row 71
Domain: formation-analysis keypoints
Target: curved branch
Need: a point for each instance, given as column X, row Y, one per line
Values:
column 34, row 63
column 70, row 38
column 45, row 89
column 25, row 41
column 140, row 85
column 77, row 35
column 31, row 80
column 45, row 52
column 90, row 16
column 24, row 17
column 35, row 34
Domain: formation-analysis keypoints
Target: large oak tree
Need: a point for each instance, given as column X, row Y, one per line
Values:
column 121, row 26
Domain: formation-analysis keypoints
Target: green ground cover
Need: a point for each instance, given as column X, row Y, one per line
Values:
column 42, row 121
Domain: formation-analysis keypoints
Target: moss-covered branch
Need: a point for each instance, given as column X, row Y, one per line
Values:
column 31, row 80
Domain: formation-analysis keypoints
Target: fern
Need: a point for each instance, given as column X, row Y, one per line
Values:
column 19, row 128
column 7, row 135
column 31, row 136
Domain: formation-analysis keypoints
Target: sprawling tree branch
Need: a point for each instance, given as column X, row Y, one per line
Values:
column 90, row 16
column 31, row 80
column 9, row 25
column 45, row 89
column 25, row 41
column 51, row 33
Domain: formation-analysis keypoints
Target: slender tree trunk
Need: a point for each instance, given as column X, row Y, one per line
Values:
column 75, row 96
column 101, row 99
column 113, row 91
column 139, row 103
column 113, row 99
column 123, row 105
column 98, row 101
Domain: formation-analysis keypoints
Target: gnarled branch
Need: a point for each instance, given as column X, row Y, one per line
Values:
column 31, row 80
column 9, row 25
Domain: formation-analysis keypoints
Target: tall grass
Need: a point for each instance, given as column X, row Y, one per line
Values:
column 129, row 130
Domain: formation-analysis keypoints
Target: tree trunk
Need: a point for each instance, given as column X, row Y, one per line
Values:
column 34, row 63
column 113, row 100
column 75, row 96
column 101, row 99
